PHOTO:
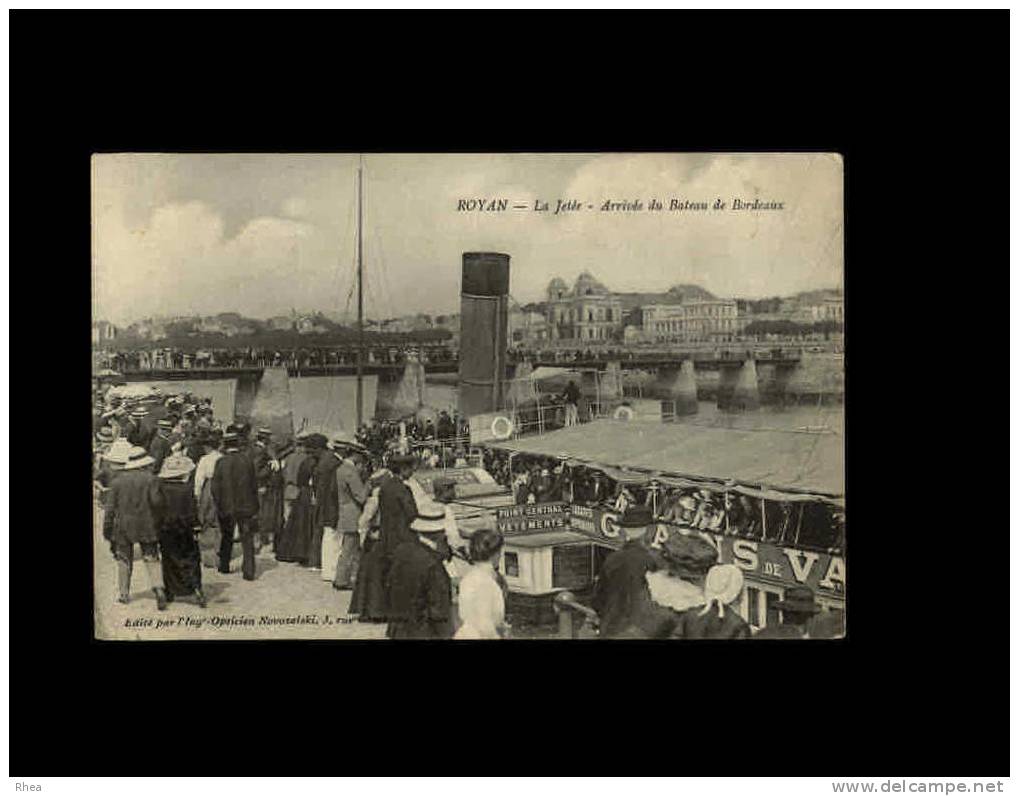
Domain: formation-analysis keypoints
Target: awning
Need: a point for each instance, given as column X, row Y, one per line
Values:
column 786, row 461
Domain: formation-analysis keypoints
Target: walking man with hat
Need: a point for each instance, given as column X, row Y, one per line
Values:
column 235, row 493
column 798, row 608
column 621, row 595
column 135, row 501
column 420, row 600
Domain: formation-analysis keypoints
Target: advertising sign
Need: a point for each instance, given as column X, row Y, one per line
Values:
column 781, row 564
column 532, row 518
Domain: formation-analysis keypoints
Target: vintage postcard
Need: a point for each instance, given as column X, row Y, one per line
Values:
column 468, row 396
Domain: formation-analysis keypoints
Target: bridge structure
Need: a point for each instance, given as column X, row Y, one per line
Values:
column 391, row 370
column 734, row 380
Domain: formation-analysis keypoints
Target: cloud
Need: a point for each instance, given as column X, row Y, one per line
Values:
column 260, row 234
column 181, row 256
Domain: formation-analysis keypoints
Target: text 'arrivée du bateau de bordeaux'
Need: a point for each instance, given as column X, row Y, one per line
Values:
column 490, row 205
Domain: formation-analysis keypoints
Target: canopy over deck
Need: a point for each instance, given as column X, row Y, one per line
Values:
column 787, row 461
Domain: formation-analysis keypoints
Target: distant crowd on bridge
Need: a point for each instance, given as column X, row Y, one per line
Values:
column 293, row 359
column 324, row 357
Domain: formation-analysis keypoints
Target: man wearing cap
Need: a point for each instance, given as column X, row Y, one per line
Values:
column 160, row 447
column 235, row 492
column 420, row 600
column 798, row 609
column 291, row 464
column 135, row 501
column 621, row 595
column 267, row 475
column 131, row 427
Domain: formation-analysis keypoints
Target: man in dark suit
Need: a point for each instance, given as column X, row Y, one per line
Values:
column 160, row 447
column 397, row 508
column 235, row 492
column 132, row 428
column 323, row 482
column 621, row 595
column 798, row 608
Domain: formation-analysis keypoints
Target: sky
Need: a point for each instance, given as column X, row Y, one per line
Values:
column 263, row 234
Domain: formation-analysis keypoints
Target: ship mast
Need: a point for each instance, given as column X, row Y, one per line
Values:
column 360, row 300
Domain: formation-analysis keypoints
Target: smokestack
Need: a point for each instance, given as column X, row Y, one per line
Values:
column 484, row 291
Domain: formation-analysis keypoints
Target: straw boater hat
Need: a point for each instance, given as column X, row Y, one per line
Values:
column 105, row 435
column 139, row 411
column 119, row 452
column 431, row 518
column 722, row 585
column 138, row 458
column 264, row 432
column 176, row 467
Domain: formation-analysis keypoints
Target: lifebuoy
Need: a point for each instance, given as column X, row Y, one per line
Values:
column 623, row 413
column 502, row 427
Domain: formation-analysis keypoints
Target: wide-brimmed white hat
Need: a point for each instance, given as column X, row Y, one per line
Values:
column 431, row 518
column 138, row 458
column 176, row 466
column 722, row 585
column 119, row 452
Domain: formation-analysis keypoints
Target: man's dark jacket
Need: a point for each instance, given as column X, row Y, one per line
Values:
column 327, row 509
column 159, row 449
column 621, row 595
column 233, row 486
column 397, row 509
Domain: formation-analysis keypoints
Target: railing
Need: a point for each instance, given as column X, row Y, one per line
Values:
column 574, row 617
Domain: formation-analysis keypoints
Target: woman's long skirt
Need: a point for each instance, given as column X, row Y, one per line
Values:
column 368, row 599
column 295, row 540
column 181, row 559
column 270, row 514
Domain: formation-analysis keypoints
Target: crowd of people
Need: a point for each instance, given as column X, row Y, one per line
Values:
column 812, row 524
column 679, row 590
column 176, row 358
column 184, row 489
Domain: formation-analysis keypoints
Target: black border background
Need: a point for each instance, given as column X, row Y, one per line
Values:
column 920, row 684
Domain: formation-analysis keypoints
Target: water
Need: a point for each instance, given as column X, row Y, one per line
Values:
column 328, row 400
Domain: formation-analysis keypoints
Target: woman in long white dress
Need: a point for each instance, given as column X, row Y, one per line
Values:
column 482, row 605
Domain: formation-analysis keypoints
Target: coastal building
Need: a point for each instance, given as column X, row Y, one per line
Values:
column 713, row 320
column 829, row 309
column 103, row 332
column 588, row 312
